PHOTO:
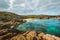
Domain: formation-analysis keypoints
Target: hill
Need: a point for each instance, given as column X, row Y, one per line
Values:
column 8, row 16
column 42, row 16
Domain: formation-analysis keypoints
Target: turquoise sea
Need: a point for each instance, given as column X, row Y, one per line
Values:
column 49, row 26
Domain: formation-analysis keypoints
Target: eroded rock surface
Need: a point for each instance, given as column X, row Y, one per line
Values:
column 13, row 34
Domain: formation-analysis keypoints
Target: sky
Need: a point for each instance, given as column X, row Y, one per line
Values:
column 31, row 7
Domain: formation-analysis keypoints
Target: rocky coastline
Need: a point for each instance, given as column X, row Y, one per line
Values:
column 7, row 32
column 13, row 34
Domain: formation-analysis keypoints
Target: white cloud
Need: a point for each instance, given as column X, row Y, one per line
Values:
column 32, row 6
column 11, row 4
column 22, row 5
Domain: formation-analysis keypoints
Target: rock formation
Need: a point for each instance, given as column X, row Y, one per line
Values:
column 13, row 34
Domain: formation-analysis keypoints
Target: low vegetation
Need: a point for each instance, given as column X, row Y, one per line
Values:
column 10, row 18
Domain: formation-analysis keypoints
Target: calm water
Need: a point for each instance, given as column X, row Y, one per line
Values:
column 50, row 26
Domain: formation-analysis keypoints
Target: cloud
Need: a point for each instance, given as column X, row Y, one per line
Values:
column 11, row 4
column 3, row 5
column 32, row 6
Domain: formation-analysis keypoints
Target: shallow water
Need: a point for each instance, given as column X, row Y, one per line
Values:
column 50, row 26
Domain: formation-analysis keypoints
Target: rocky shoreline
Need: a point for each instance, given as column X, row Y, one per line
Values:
column 8, row 33
column 13, row 34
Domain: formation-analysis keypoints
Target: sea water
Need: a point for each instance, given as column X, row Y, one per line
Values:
column 50, row 26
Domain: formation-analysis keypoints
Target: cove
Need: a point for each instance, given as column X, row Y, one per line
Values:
column 49, row 26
